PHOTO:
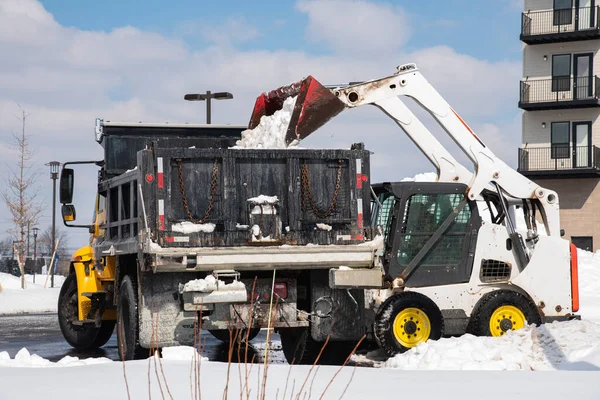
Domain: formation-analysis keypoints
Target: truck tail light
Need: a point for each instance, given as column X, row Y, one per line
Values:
column 280, row 289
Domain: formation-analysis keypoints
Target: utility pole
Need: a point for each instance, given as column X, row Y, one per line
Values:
column 28, row 230
column 54, row 166
column 207, row 97
column 35, row 233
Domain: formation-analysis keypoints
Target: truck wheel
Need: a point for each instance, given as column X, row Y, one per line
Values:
column 127, row 322
column 79, row 337
column 501, row 311
column 223, row 334
column 105, row 332
column 301, row 349
column 406, row 320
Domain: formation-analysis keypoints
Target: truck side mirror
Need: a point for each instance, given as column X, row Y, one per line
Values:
column 68, row 212
column 67, row 178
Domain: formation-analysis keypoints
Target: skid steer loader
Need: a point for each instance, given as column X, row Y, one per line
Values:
column 454, row 258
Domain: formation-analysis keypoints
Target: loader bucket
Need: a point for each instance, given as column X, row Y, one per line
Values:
column 315, row 105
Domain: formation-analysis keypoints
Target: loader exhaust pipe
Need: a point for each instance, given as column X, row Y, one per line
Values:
column 315, row 105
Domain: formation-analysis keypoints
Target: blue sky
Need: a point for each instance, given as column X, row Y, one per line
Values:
column 72, row 61
column 484, row 28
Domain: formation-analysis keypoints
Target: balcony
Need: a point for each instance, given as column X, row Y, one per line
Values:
column 553, row 26
column 560, row 161
column 559, row 93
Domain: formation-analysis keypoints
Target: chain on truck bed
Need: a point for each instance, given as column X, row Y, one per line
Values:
column 213, row 190
column 307, row 193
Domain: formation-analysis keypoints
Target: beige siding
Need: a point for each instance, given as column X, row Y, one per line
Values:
column 579, row 206
column 536, row 136
column 534, row 66
column 534, row 5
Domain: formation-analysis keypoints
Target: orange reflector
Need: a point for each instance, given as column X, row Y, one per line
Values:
column 574, row 279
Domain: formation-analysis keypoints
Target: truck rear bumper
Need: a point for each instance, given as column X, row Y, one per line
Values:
column 262, row 258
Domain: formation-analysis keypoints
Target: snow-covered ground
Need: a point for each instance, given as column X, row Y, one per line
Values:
column 569, row 352
column 33, row 299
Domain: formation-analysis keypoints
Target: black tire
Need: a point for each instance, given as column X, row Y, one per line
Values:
column 127, row 322
column 223, row 334
column 79, row 337
column 491, row 302
column 301, row 349
column 400, row 338
column 105, row 332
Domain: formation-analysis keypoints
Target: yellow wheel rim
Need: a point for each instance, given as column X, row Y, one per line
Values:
column 506, row 318
column 411, row 327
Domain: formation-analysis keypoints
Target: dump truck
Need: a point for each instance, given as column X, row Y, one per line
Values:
column 192, row 233
column 187, row 229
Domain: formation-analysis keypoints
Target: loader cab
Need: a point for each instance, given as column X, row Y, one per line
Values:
column 429, row 229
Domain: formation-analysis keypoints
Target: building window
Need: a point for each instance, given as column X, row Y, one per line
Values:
column 563, row 14
column 559, row 137
column 561, row 72
column 583, row 242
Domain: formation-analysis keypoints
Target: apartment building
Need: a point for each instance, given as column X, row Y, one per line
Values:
column 560, row 99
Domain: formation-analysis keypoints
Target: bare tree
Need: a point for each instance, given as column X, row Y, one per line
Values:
column 21, row 193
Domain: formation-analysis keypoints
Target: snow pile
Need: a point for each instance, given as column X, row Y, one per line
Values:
column 23, row 359
column 560, row 345
column 241, row 226
column 188, row 227
column 263, row 205
column 33, row 299
column 589, row 285
column 271, row 131
column 424, row 177
column 324, row 227
column 262, row 199
column 210, row 284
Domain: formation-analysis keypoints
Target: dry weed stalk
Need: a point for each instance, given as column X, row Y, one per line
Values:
column 342, row 366
column 287, row 379
column 120, row 344
column 311, row 368
column 154, row 348
column 266, row 367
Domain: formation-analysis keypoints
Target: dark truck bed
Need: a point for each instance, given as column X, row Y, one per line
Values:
column 320, row 202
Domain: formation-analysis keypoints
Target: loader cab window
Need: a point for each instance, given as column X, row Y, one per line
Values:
column 423, row 215
column 382, row 210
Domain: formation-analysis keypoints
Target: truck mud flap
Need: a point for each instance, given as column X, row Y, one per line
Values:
column 339, row 313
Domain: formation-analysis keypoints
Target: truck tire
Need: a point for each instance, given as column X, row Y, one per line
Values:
column 503, row 310
column 223, row 334
column 105, row 332
column 79, row 337
column 301, row 349
column 405, row 320
column 127, row 322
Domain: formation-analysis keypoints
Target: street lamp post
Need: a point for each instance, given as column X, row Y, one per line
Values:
column 54, row 166
column 207, row 97
column 35, row 231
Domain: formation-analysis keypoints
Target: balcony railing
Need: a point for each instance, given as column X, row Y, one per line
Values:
column 559, row 160
column 559, row 92
column 549, row 26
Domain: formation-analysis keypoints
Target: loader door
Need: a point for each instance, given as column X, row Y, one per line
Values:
column 439, row 220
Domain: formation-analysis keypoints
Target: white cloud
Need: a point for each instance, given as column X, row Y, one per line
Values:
column 356, row 26
column 233, row 30
column 66, row 77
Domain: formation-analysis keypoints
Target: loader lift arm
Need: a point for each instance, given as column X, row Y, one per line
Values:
column 316, row 105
